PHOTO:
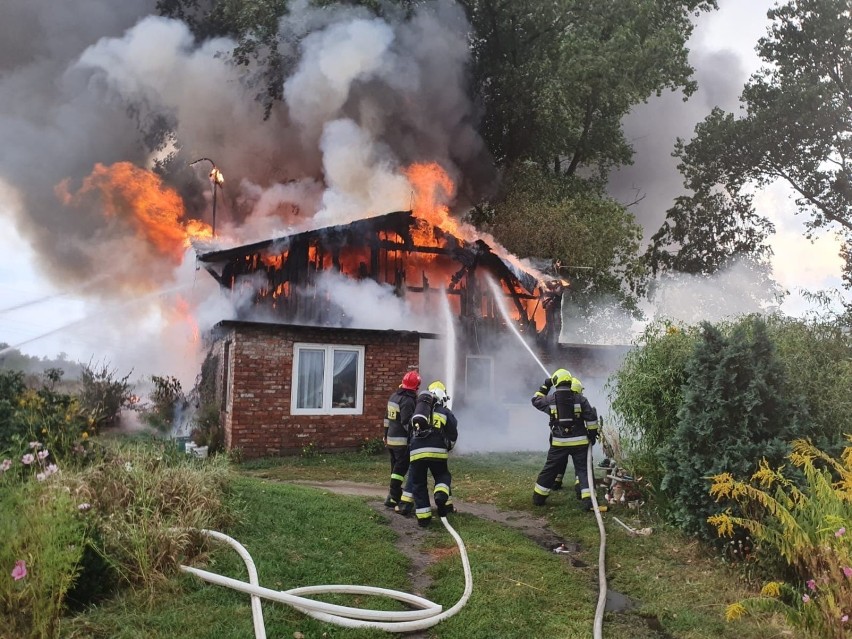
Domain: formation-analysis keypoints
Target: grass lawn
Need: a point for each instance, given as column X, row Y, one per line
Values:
column 302, row 536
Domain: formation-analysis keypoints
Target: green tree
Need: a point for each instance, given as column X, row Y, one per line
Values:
column 797, row 121
column 736, row 410
column 562, row 219
column 702, row 233
column 556, row 78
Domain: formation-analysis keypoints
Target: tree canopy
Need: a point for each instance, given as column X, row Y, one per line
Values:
column 565, row 220
column 702, row 233
column 555, row 79
column 796, row 126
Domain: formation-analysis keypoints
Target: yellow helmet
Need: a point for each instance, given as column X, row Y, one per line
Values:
column 576, row 385
column 439, row 391
column 560, row 376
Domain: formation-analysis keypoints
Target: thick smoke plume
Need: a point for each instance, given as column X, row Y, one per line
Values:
column 94, row 97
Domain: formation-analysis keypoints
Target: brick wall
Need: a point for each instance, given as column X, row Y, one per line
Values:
column 256, row 386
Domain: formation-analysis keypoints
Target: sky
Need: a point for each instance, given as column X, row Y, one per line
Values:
column 51, row 306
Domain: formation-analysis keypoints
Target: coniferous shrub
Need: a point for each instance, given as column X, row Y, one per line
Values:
column 736, row 410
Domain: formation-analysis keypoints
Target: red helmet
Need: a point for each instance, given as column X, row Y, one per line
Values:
column 411, row 380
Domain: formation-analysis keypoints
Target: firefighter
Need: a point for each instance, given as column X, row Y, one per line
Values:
column 434, row 431
column 573, row 427
column 399, row 412
column 577, row 387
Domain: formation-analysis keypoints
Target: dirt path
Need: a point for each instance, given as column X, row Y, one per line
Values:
column 533, row 528
column 410, row 538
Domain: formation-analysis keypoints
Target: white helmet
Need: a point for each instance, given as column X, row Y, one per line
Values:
column 439, row 391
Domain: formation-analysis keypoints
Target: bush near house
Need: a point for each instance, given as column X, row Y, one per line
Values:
column 647, row 393
column 736, row 409
column 103, row 394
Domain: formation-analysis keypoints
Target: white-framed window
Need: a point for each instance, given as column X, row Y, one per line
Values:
column 479, row 377
column 328, row 379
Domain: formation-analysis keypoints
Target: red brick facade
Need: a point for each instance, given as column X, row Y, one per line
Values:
column 256, row 370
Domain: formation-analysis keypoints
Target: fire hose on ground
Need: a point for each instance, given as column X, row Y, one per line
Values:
column 426, row 614
column 599, row 611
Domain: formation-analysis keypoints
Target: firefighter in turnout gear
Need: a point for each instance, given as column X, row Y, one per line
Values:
column 577, row 387
column 397, row 422
column 434, row 431
column 573, row 427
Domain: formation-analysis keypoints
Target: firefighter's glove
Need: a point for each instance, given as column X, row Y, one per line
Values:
column 593, row 437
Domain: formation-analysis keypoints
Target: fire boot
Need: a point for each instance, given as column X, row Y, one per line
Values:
column 577, row 490
column 557, row 483
column 405, row 508
column 390, row 502
column 539, row 500
column 588, row 507
column 441, row 504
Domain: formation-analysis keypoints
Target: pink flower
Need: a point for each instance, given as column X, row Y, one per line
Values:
column 20, row 570
column 844, row 618
column 5, row 465
column 41, row 476
column 847, row 571
column 42, row 454
column 27, row 459
column 84, row 506
column 811, row 584
column 51, row 468
column 840, row 532
column 35, row 445
column 806, row 598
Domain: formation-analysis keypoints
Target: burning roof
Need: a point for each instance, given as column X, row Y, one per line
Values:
column 399, row 249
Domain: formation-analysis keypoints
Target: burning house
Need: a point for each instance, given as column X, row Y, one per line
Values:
column 298, row 367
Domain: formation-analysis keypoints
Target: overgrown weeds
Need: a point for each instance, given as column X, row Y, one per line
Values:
column 806, row 527
column 127, row 520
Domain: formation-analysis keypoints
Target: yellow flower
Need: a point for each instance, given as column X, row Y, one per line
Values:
column 771, row 589
column 85, row 435
column 734, row 611
column 722, row 522
column 44, row 431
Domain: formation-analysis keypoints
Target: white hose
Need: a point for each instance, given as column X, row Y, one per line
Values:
column 428, row 615
column 599, row 611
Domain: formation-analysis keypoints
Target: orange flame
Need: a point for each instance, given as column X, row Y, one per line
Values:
column 433, row 188
column 183, row 312
column 138, row 198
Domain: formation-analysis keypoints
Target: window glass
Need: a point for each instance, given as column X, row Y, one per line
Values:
column 344, row 385
column 310, row 378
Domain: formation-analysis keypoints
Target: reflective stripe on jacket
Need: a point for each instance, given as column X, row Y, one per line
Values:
column 437, row 442
column 571, row 416
column 399, row 412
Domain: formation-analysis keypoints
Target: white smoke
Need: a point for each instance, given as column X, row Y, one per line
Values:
column 364, row 97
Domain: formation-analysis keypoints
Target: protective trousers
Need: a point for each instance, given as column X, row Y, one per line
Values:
column 443, row 484
column 399, row 462
column 555, row 464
